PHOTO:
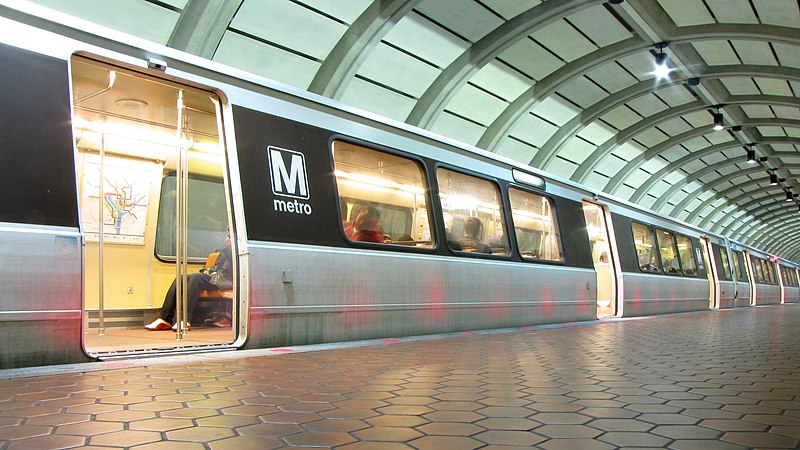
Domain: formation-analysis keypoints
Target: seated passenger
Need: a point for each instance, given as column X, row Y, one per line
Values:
column 453, row 243
column 349, row 227
column 219, row 276
column 367, row 227
column 471, row 241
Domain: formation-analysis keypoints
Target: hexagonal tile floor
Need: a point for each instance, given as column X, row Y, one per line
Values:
column 706, row 380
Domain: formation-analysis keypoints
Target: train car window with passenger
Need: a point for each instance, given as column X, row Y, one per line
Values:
column 535, row 226
column 645, row 242
column 724, row 263
column 686, row 255
column 473, row 213
column 382, row 197
column 667, row 250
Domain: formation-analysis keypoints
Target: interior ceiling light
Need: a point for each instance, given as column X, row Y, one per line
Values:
column 662, row 68
column 751, row 155
column 718, row 125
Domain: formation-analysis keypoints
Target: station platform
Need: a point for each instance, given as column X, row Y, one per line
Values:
column 706, row 380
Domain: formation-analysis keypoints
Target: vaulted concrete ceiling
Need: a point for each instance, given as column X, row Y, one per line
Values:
column 564, row 85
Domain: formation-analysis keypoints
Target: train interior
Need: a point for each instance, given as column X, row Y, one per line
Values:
column 597, row 228
column 153, row 206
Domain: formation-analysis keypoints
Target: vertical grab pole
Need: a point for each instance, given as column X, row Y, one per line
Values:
column 180, row 230
column 101, row 325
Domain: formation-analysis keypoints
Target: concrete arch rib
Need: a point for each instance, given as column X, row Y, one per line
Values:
column 624, row 135
column 528, row 99
column 758, row 239
column 669, row 168
column 696, row 176
column 736, row 31
column 675, row 165
column 691, row 196
column 729, row 201
column 344, row 60
column 777, row 243
column 735, row 229
column 549, row 84
column 616, row 181
column 201, row 26
column 442, row 90
column 783, row 244
column 716, row 72
column 720, row 195
column 747, row 232
column 651, row 121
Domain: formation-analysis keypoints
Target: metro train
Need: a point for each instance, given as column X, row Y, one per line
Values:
column 126, row 162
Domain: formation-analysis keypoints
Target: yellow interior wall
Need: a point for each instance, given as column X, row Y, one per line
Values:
column 127, row 266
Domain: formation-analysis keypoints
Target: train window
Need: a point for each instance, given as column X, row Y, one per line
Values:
column 724, row 263
column 644, row 240
column 759, row 270
column 770, row 267
column 739, row 266
column 473, row 213
column 207, row 219
column 667, row 250
column 787, row 278
column 686, row 254
column 535, row 226
column 383, row 197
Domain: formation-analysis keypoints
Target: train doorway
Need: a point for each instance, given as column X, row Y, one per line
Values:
column 715, row 291
column 154, row 209
column 604, row 259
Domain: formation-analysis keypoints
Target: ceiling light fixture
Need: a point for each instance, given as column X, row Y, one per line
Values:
column 751, row 154
column 789, row 196
column 662, row 68
column 718, row 125
column 773, row 179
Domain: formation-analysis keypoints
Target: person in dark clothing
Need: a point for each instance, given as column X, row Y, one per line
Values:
column 472, row 232
column 217, row 277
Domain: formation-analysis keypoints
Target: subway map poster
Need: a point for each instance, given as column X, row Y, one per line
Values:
column 119, row 201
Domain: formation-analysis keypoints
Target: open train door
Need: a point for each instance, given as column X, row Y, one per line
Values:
column 714, row 295
column 154, row 204
column 606, row 262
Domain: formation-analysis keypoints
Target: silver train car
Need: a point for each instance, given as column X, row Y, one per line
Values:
column 127, row 164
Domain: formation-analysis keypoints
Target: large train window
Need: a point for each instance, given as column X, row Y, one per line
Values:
column 472, row 212
column 667, row 250
column 724, row 263
column 686, row 255
column 207, row 218
column 645, row 242
column 382, row 197
column 535, row 226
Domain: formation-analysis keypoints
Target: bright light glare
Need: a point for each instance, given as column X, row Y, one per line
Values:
column 662, row 71
column 367, row 180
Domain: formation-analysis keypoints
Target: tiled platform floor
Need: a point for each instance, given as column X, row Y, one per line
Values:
column 709, row 380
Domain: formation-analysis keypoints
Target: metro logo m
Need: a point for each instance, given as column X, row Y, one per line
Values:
column 291, row 181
